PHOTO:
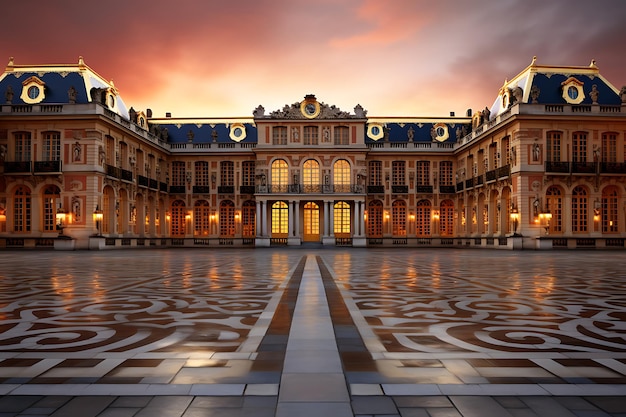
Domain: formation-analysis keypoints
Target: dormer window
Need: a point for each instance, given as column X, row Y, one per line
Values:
column 573, row 91
column 33, row 90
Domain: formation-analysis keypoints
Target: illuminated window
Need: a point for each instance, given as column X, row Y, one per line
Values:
column 341, row 216
column 342, row 135
column 248, row 173
column 579, row 210
column 445, row 173
column 311, row 135
column 178, row 173
column 375, row 173
column 398, row 218
column 227, row 173
column 51, row 146
column 610, row 210
column 554, row 205
column 201, row 218
column 280, row 219
column 21, row 210
column 423, row 172
column 375, row 219
column 22, row 146
column 579, row 147
column 554, row 147
column 398, row 170
column 227, row 219
column 280, row 176
column 311, row 221
column 201, row 173
column 178, row 219
column 341, row 176
column 248, row 219
column 51, row 195
column 422, row 218
column 311, row 176
column 446, row 218
column 279, row 135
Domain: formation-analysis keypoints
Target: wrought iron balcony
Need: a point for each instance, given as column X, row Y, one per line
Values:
column 127, row 175
column 142, row 181
column 17, row 167
column 613, row 167
column 246, row 189
column 177, row 189
column 201, row 189
column 424, row 189
column 557, row 166
column 162, row 186
column 226, row 189
column 447, row 189
column 113, row 171
column 47, row 166
column 376, row 189
column 584, row 167
column 400, row 189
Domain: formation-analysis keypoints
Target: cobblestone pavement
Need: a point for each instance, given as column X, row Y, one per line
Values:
column 312, row 331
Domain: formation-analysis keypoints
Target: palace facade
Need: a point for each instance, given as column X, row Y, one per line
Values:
column 543, row 167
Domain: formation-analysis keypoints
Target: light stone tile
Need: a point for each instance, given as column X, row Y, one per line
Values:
column 261, row 389
column 366, row 389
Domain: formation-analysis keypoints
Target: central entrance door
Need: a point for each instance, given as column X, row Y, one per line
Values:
column 311, row 222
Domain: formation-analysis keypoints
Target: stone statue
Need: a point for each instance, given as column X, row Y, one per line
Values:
column 76, row 152
column 3, row 152
column 326, row 134
column 536, row 152
column 9, row 95
column 594, row 94
column 534, row 94
column 259, row 111
column 486, row 114
column 190, row 136
column 71, row 95
column 360, row 112
column 410, row 134
column 622, row 95
column 518, row 95
column 295, row 135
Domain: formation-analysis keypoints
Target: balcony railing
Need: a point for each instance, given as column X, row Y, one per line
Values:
column 503, row 171
column 427, row 189
column 376, row 189
column 246, row 189
column 447, row 189
column 400, row 189
column 613, row 167
column 459, row 186
column 491, row 175
column 127, row 175
column 113, row 171
column 162, row 186
column 557, row 166
column 142, row 181
column 201, row 189
column 310, row 189
column 226, row 189
column 177, row 189
column 17, row 167
column 47, row 166
column 584, row 167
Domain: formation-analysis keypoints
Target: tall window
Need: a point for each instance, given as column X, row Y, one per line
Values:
column 610, row 210
column 248, row 173
column 579, row 210
column 21, row 210
column 422, row 218
column 341, row 216
column 609, row 147
column 506, row 150
column 227, row 219
column 375, row 173
column 342, row 135
column 22, row 146
column 398, row 218
column 280, row 219
column 51, row 146
column 310, row 135
column 279, row 135
column 201, row 218
column 227, row 173
column 50, row 197
column 554, row 204
column 341, row 176
column 248, row 219
column 398, row 172
column 311, row 175
column 553, row 147
column 280, row 176
column 178, row 173
column 445, row 173
column 201, row 169
column 375, row 219
column 423, row 172
column 446, row 218
column 579, row 147
column 178, row 218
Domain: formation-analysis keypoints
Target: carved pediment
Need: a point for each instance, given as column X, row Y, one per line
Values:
column 322, row 111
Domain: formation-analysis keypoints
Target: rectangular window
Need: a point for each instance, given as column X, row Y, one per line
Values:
column 506, row 151
column 398, row 172
column 445, row 173
column 579, row 147
column 227, row 173
column 310, row 135
column 423, row 172
column 342, row 135
column 279, row 135
column 609, row 147
column 51, row 146
column 248, row 168
column 375, row 174
column 178, row 173
column 22, row 146
column 201, row 169
column 554, row 147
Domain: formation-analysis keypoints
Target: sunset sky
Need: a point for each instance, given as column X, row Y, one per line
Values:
column 206, row 58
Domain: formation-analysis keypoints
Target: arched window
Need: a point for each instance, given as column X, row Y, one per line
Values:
column 341, row 176
column 398, row 218
column 280, row 176
column 51, row 194
column 341, row 216
column 554, row 205
column 248, row 219
column 422, row 218
column 21, row 209
column 227, row 219
column 446, row 218
column 280, row 219
column 311, row 176
column 579, row 210
column 375, row 219
column 201, row 218
column 178, row 219
column 610, row 210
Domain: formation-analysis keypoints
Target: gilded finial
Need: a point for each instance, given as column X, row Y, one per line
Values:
column 81, row 61
column 11, row 62
column 534, row 60
column 593, row 63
